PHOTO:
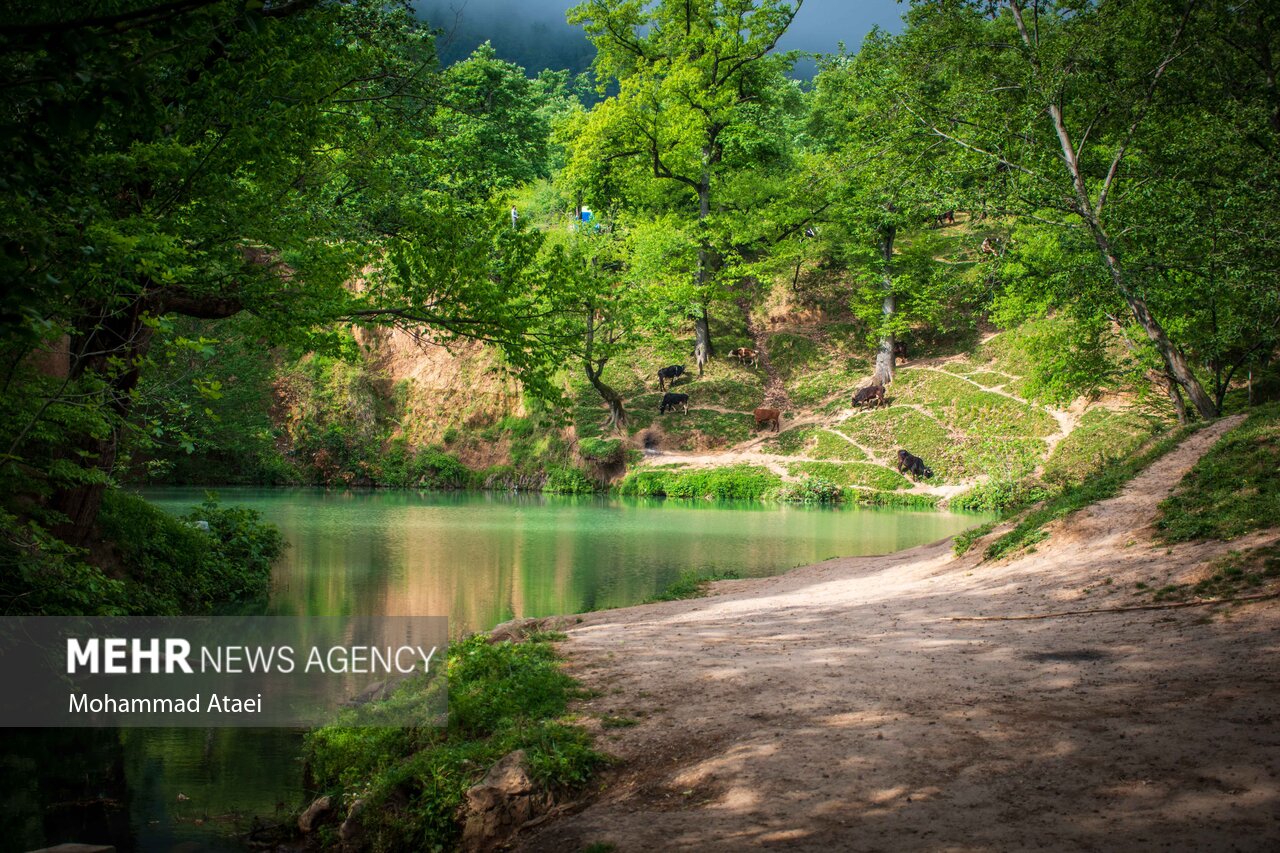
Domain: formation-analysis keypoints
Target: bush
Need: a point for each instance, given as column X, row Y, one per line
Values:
column 602, row 451
column 851, row 474
column 502, row 697
column 564, row 480
column 690, row 584
column 1000, row 496
column 169, row 566
column 812, row 490
column 151, row 562
column 737, row 482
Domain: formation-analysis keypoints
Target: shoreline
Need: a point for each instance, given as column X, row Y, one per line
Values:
column 841, row 706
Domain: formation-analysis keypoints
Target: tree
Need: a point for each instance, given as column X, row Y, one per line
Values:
column 688, row 72
column 883, row 177
column 209, row 159
column 1076, row 107
column 596, row 311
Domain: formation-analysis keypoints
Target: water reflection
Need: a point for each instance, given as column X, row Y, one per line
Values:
column 480, row 559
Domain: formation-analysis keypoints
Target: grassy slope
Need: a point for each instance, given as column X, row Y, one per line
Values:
column 959, row 410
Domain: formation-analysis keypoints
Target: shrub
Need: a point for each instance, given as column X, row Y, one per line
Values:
column 564, row 480
column 1000, row 496
column 603, row 451
column 812, row 490
column 162, row 565
column 502, row 697
column 737, row 482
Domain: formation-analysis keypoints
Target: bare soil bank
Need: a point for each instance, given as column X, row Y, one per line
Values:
column 840, row 706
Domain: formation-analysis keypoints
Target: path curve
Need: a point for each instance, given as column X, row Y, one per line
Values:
column 839, row 706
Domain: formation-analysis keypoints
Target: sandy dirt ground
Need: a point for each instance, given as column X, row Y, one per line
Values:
column 841, row 707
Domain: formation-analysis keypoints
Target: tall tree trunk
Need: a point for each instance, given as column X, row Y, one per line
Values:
column 702, row 349
column 617, row 414
column 884, row 354
column 1175, row 364
column 1091, row 212
column 594, row 369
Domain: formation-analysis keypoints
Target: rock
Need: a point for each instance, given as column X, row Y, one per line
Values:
column 516, row 630
column 350, row 831
column 314, row 814
column 502, row 802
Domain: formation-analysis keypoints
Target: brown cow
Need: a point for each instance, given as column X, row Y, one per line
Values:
column 764, row 417
column 872, row 394
column 744, row 355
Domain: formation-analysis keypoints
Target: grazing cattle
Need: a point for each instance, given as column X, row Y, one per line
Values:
column 900, row 350
column 811, row 232
column 764, row 417
column 669, row 373
column 872, row 394
column 670, row 402
column 913, row 464
column 744, row 355
column 947, row 218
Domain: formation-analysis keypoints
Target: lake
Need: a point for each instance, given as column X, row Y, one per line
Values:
column 478, row 558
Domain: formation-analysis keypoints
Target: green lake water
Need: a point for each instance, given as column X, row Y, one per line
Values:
column 478, row 558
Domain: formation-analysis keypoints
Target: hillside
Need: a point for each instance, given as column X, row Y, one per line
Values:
column 926, row 701
column 406, row 412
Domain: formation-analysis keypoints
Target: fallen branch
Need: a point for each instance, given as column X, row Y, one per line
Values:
column 1170, row 606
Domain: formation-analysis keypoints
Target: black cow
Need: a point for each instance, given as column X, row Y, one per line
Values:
column 669, row 373
column 899, row 350
column 872, row 394
column 672, row 401
column 913, row 464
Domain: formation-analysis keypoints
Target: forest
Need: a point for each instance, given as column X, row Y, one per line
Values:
column 281, row 242
column 211, row 205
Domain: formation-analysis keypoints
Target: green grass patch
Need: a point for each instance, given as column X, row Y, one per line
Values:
column 987, row 379
column 691, row 584
column 1234, row 488
column 964, row 541
column 901, row 500
column 1238, row 573
column 1100, row 437
column 1106, row 484
column 792, row 442
column 502, row 697
column 831, row 446
column 790, row 353
column 735, row 482
column 743, row 394
column 839, row 380
column 851, row 474
column 965, row 407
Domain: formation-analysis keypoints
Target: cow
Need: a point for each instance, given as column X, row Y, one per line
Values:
column 899, row 350
column 872, row 394
column 744, row 355
column 764, row 417
column 669, row 373
column 946, row 218
column 913, row 464
column 672, row 402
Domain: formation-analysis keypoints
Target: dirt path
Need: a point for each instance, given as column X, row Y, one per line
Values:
column 839, row 706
